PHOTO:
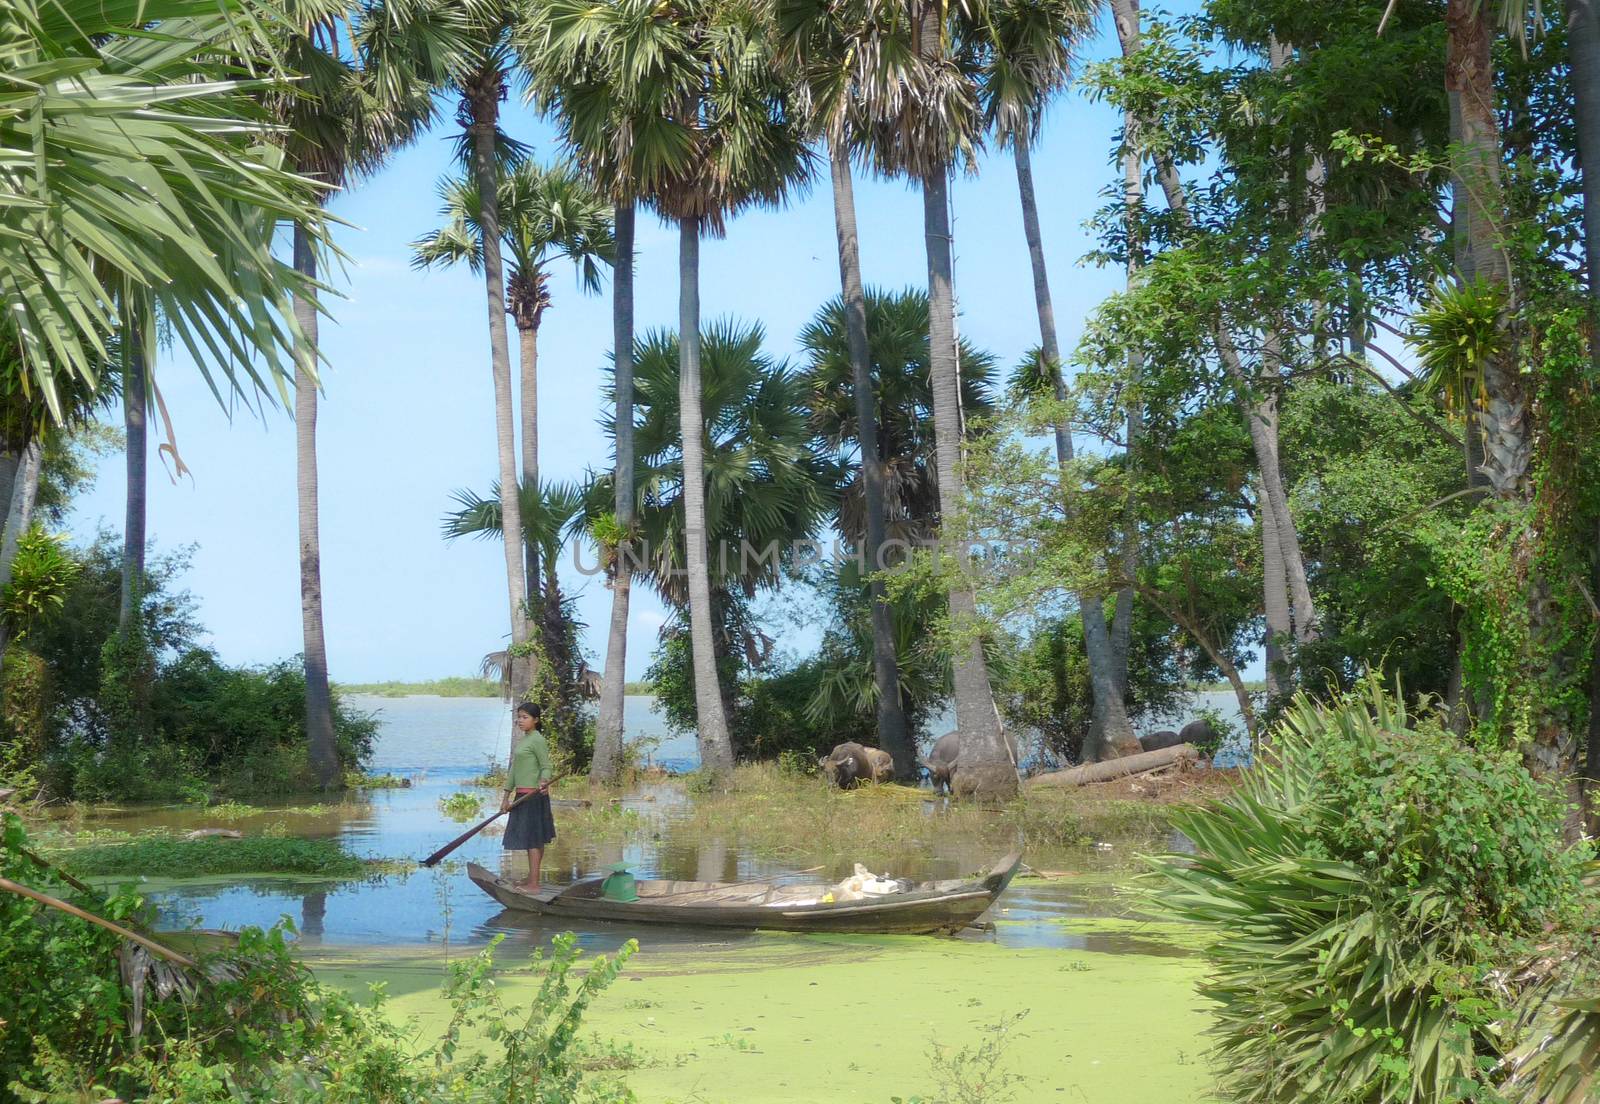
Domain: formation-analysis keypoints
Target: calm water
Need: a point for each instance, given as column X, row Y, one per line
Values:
column 423, row 735
column 441, row 744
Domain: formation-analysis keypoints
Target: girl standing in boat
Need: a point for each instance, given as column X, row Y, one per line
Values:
column 532, row 824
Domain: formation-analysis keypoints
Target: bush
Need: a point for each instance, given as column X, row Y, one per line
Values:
column 252, row 1024
column 148, row 714
column 24, row 723
column 1371, row 891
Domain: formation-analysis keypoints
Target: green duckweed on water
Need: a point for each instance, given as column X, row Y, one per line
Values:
column 856, row 1018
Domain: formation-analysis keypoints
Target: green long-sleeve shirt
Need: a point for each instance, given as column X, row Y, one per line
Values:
column 530, row 762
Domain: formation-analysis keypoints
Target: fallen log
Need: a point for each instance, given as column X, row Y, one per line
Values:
column 1112, row 769
column 213, row 833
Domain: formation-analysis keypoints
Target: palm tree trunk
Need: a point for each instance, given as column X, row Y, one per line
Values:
column 1499, row 450
column 1110, row 733
column 613, row 691
column 716, row 748
column 13, row 481
column 24, row 489
column 486, row 105
column 1503, row 414
column 319, row 698
column 894, row 736
column 133, row 422
column 1583, row 56
column 989, row 772
column 528, row 360
column 1122, row 608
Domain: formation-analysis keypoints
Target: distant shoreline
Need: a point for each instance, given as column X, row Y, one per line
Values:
column 460, row 687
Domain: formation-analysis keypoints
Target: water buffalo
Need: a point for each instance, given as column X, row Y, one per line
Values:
column 1200, row 734
column 1157, row 740
column 943, row 758
column 850, row 763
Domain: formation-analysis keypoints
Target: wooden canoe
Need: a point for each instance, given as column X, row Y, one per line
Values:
column 942, row 906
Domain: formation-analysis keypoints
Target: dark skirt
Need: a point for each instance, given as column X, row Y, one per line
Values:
column 530, row 825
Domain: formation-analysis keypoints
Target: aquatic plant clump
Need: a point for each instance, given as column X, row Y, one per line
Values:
column 182, row 858
column 1374, row 895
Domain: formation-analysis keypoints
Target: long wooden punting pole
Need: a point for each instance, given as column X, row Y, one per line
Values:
column 434, row 859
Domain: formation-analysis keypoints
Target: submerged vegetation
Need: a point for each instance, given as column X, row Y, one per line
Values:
column 183, row 858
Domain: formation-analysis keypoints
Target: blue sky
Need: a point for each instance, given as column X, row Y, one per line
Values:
column 408, row 414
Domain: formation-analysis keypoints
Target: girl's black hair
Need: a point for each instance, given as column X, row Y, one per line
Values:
column 531, row 709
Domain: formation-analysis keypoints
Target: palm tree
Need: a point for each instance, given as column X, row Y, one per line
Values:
column 132, row 163
column 902, row 413
column 341, row 119
column 843, row 75
column 594, row 70
column 935, row 121
column 699, row 76
column 546, row 214
column 1029, row 60
column 481, row 82
column 139, row 188
column 766, row 487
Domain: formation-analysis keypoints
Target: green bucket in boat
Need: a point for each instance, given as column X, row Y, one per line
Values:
column 619, row 885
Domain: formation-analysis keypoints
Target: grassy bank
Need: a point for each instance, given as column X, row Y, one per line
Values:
column 801, row 818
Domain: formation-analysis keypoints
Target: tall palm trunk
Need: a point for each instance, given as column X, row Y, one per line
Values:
column 716, row 748
column 1503, row 413
column 485, row 102
column 133, row 526
column 894, row 736
column 985, row 769
column 528, row 361
column 319, row 699
column 1109, row 734
column 1583, row 56
column 1469, row 72
column 613, row 691
column 23, row 491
